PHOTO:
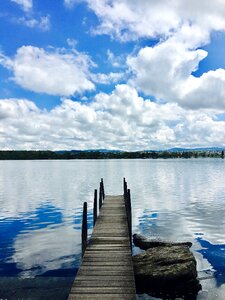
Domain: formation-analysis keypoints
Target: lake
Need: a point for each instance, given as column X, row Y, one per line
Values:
column 41, row 210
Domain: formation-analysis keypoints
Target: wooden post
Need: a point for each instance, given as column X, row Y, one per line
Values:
column 84, row 228
column 100, row 197
column 103, row 189
column 95, row 207
column 129, row 216
column 125, row 192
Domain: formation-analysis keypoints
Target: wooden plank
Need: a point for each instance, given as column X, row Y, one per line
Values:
column 107, row 227
column 107, row 234
column 102, row 290
column 105, row 263
column 102, row 297
column 109, row 241
column 101, row 278
column 113, row 259
column 110, row 238
column 109, row 246
column 106, row 257
column 107, row 254
column 106, row 272
column 105, row 283
column 112, row 221
column 110, row 249
column 105, row 268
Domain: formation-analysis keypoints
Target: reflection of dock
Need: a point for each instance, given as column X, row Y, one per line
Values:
column 106, row 271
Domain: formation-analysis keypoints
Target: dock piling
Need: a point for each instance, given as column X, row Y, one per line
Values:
column 125, row 188
column 84, row 228
column 95, row 207
column 103, row 189
column 100, row 196
column 129, row 216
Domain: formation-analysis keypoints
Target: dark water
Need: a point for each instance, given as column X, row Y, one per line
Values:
column 40, row 217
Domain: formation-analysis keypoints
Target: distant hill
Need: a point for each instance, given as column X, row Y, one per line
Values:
column 175, row 149
column 196, row 149
column 112, row 154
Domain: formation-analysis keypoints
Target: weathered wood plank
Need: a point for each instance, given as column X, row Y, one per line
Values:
column 101, row 297
column 105, row 263
column 102, row 290
column 105, row 283
column 113, row 234
column 107, row 272
column 105, row 268
column 101, row 270
column 113, row 228
column 107, row 254
column 101, row 278
column 110, row 251
column 109, row 240
column 113, row 259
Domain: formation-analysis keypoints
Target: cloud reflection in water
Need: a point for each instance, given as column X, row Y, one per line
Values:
column 37, row 243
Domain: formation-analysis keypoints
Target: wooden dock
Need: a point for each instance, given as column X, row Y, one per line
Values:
column 106, row 271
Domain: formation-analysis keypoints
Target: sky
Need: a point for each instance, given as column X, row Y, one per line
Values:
column 112, row 74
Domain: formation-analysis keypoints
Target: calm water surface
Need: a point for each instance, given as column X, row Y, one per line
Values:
column 41, row 210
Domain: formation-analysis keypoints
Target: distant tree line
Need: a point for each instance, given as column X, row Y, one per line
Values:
column 28, row 155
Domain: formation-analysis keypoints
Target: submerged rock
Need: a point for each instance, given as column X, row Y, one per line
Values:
column 167, row 268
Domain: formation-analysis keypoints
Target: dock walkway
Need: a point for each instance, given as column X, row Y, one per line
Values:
column 106, row 271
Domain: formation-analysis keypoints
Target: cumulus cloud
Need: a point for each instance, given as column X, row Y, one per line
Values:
column 130, row 19
column 26, row 5
column 165, row 71
column 180, row 28
column 120, row 120
column 53, row 71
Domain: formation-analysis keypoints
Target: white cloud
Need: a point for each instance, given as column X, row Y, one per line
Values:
column 110, row 78
column 26, row 5
column 72, row 43
column 120, row 120
column 130, row 19
column 71, row 3
column 30, row 18
column 181, row 28
column 165, row 71
column 42, row 23
column 116, row 61
column 55, row 72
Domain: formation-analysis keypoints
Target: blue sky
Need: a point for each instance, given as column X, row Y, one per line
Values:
column 116, row 74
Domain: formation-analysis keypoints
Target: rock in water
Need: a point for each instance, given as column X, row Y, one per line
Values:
column 143, row 243
column 168, row 269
